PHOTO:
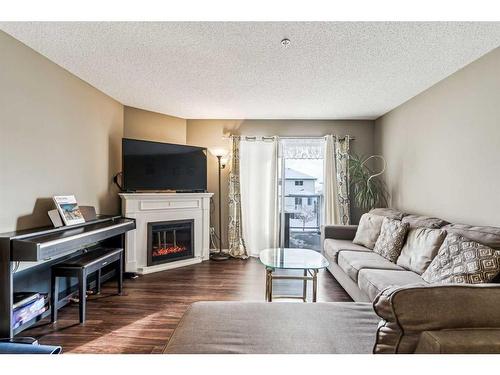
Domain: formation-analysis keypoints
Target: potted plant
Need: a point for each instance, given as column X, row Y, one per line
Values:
column 369, row 191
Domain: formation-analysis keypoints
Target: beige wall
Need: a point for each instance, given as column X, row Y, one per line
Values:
column 152, row 126
column 58, row 135
column 209, row 133
column 443, row 147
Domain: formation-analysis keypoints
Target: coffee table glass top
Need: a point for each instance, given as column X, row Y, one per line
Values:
column 286, row 258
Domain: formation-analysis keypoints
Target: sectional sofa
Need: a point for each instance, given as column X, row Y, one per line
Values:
column 364, row 274
column 395, row 310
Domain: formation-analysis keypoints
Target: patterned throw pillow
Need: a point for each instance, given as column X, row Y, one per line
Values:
column 460, row 260
column 391, row 239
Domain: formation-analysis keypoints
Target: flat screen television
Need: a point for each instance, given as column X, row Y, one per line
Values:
column 163, row 166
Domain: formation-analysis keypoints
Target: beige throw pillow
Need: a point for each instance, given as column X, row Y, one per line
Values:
column 368, row 230
column 391, row 239
column 463, row 261
column 420, row 248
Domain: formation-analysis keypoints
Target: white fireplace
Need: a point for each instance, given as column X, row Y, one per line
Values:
column 150, row 208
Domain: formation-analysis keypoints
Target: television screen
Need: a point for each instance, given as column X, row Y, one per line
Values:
column 162, row 166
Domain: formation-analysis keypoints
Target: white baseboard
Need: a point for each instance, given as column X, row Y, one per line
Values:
column 168, row 266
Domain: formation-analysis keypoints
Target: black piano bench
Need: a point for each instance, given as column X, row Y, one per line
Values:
column 81, row 266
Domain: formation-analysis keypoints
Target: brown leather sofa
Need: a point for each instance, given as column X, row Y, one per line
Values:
column 395, row 310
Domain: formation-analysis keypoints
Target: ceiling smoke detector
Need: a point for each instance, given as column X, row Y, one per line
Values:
column 285, row 43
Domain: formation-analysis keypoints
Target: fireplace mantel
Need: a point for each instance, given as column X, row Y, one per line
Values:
column 158, row 207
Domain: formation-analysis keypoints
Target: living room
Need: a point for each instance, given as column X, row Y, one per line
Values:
column 200, row 187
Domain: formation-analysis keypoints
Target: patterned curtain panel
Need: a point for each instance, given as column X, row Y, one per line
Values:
column 342, row 164
column 237, row 247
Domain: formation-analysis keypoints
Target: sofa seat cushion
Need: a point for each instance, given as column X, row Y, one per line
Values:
column 287, row 328
column 372, row 281
column 332, row 247
column 352, row 262
column 464, row 341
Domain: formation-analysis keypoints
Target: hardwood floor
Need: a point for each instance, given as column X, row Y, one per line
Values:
column 143, row 319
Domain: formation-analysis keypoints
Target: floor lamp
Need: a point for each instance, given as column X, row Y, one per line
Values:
column 219, row 153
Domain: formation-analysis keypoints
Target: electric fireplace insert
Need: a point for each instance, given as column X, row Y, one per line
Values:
column 170, row 241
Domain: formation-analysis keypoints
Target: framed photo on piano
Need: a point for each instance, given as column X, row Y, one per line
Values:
column 69, row 210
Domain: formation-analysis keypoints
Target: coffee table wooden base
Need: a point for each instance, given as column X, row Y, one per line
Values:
column 309, row 274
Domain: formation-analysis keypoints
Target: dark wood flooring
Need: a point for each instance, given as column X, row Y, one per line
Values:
column 143, row 319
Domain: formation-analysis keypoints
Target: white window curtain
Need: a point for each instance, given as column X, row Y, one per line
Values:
column 259, row 194
column 330, row 192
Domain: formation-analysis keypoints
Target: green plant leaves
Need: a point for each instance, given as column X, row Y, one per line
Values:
column 367, row 193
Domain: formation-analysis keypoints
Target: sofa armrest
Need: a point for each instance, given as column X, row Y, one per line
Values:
column 468, row 341
column 339, row 232
column 409, row 311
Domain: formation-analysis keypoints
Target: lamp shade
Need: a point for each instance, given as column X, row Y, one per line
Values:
column 218, row 151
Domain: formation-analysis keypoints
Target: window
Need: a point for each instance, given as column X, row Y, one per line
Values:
column 301, row 176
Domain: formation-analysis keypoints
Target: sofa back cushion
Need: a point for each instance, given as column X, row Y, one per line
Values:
column 391, row 239
column 420, row 248
column 418, row 221
column 489, row 236
column 391, row 213
column 368, row 230
column 461, row 260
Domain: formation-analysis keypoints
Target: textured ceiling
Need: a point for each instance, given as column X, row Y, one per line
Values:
column 333, row 70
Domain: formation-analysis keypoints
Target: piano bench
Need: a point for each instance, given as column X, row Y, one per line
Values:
column 81, row 266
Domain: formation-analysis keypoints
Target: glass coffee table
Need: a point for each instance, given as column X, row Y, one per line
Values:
column 309, row 261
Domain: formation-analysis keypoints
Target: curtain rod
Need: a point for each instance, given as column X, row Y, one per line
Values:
column 282, row 137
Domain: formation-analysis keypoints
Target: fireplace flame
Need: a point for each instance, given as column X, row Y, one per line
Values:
column 168, row 250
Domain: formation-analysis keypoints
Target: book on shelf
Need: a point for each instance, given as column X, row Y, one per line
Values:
column 69, row 210
column 24, row 298
column 30, row 311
